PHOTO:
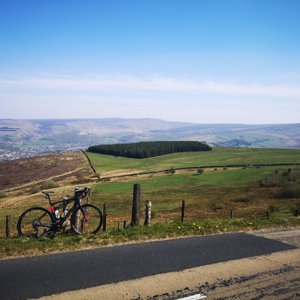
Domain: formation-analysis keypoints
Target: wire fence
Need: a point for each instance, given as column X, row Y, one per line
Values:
column 182, row 212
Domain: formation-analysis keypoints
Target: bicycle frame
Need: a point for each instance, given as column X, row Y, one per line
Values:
column 81, row 217
column 62, row 204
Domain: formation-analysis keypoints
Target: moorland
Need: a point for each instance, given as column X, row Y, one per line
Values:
column 260, row 186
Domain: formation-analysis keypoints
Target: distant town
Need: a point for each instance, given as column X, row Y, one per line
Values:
column 11, row 153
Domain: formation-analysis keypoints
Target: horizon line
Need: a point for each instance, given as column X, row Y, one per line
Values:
column 143, row 118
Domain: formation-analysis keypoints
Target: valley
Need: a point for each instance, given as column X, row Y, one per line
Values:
column 250, row 185
column 28, row 138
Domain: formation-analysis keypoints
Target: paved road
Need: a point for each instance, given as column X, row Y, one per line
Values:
column 39, row 276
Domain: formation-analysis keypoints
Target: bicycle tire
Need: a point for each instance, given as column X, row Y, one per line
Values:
column 90, row 222
column 30, row 225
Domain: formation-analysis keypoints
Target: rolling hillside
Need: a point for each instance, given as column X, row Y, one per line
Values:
column 210, row 193
column 108, row 165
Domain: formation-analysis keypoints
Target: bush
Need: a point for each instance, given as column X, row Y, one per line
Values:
column 200, row 171
column 2, row 195
column 35, row 189
column 105, row 179
column 245, row 198
column 171, row 171
column 215, row 205
column 272, row 180
column 49, row 184
column 273, row 208
column 81, row 179
column 290, row 190
column 281, row 179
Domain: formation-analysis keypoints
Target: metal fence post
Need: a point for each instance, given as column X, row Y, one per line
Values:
column 182, row 210
column 7, row 226
column 104, row 217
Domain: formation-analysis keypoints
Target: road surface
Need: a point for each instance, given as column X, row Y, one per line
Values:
column 34, row 277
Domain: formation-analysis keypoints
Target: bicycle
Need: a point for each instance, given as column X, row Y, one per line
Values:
column 42, row 222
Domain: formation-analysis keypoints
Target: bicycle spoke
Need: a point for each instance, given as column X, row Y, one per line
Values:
column 35, row 222
column 87, row 220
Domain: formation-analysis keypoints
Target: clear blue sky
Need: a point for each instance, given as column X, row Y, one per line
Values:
column 216, row 61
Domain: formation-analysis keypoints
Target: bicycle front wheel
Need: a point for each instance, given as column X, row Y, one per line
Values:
column 86, row 219
column 35, row 222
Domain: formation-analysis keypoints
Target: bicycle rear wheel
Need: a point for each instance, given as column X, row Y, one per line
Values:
column 35, row 222
column 86, row 219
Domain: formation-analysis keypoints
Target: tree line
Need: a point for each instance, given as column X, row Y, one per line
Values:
column 149, row 149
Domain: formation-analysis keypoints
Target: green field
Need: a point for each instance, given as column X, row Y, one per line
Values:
column 205, row 193
column 218, row 156
column 201, row 192
column 209, row 198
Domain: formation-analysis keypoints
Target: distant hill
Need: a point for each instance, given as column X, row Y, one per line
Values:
column 80, row 130
column 24, row 138
column 232, row 135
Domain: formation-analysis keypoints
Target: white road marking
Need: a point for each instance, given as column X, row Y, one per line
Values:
column 194, row 297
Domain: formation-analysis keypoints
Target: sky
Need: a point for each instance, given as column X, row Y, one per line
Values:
column 216, row 61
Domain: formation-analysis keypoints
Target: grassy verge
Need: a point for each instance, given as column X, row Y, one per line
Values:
column 24, row 247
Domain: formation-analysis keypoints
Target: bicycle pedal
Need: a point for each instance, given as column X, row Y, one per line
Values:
column 52, row 236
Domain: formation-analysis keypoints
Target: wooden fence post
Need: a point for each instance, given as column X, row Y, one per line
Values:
column 104, row 217
column 148, row 213
column 231, row 214
column 182, row 210
column 124, row 224
column 78, row 224
column 297, row 212
column 7, row 226
column 136, row 204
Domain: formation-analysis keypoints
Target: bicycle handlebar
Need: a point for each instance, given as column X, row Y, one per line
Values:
column 79, row 193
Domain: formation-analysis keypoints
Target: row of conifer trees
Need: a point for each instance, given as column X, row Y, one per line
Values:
column 149, row 149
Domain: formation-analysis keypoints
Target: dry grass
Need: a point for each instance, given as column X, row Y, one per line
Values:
column 24, row 179
column 26, row 172
column 208, row 196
